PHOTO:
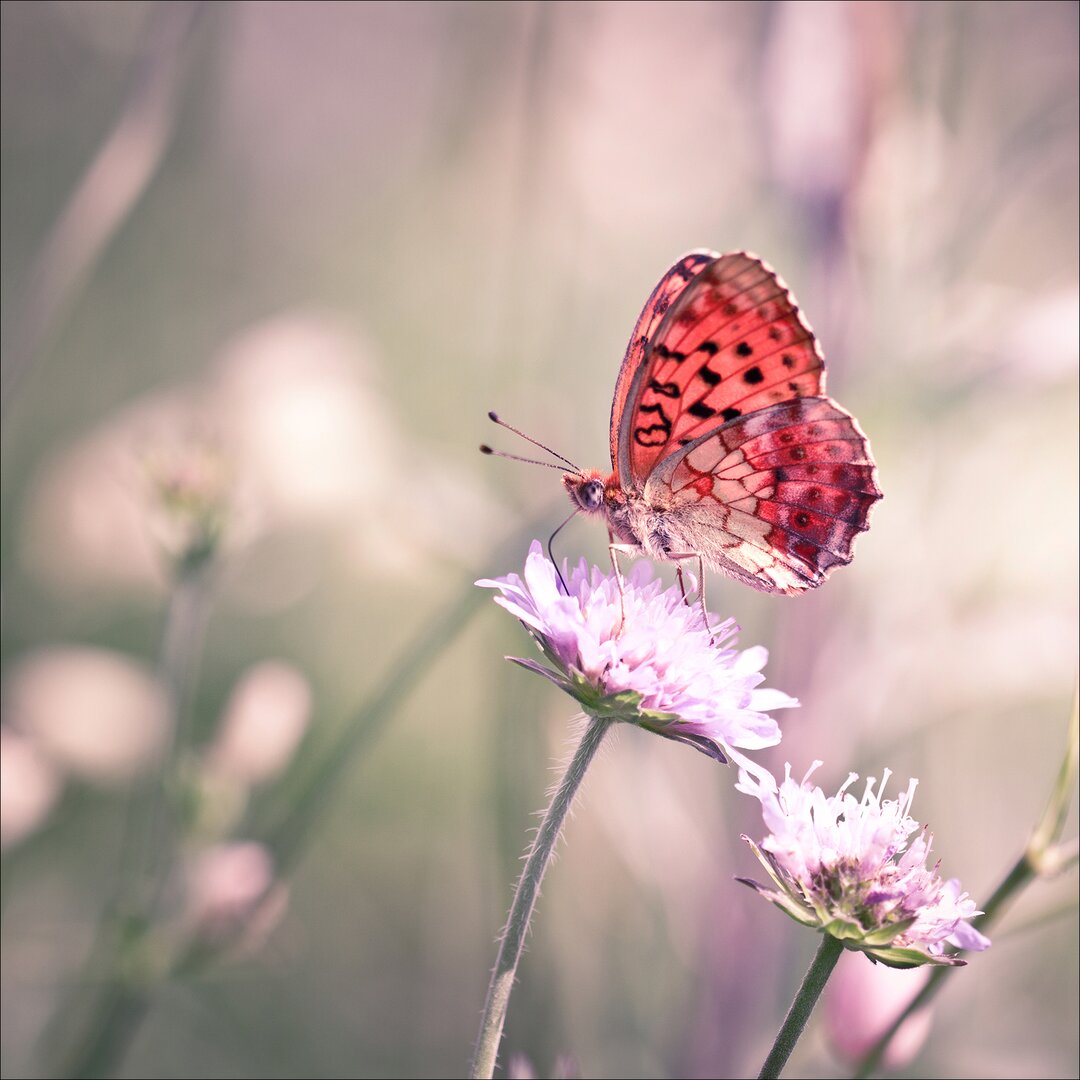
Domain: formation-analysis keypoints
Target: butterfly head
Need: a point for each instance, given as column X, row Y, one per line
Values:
column 588, row 490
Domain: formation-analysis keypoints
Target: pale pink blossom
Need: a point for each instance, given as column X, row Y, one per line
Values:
column 647, row 658
column 856, row 868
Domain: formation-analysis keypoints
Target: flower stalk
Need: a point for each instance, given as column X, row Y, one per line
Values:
column 521, row 909
column 817, row 975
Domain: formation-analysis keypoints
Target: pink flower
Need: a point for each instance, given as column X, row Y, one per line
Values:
column 661, row 668
column 849, row 867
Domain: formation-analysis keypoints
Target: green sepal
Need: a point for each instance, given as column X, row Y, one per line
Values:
column 911, row 958
column 624, row 706
column 621, row 706
column 783, row 901
column 886, row 935
column 539, row 669
column 845, row 930
column 769, row 863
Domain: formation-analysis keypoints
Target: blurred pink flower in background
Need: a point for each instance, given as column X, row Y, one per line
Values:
column 189, row 500
column 318, row 442
column 92, row 712
column 88, row 522
column 520, row 1067
column 266, row 716
column 29, row 787
column 862, row 1000
column 295, row 402
column 232, row 896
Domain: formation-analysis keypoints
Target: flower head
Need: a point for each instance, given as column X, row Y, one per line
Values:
column 661, row 667
column 189, row 485
column 850, row 867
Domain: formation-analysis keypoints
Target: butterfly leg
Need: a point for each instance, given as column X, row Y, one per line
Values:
column 682, row 584
column 613, row 550
column 701, row 584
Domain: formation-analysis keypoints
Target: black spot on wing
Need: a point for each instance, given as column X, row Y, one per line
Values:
column 668, row 389
column 653, row 434
column 665, row 353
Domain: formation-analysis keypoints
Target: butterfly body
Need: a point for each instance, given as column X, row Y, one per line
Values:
column 724, row 445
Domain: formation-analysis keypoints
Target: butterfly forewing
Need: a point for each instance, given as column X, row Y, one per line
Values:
column 730, row 341
column 671, row 286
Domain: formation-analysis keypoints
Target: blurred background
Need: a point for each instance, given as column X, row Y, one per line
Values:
column 265, row 268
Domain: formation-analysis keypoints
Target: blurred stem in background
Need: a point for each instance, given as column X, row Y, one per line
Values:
column 1044, row 856
column 91, row 1031
column 304, row 795
column 107, row 192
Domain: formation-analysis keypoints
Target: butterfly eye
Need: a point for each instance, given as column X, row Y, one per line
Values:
column 592, row 495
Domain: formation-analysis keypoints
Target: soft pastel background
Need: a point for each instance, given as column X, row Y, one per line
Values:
column 326, row 239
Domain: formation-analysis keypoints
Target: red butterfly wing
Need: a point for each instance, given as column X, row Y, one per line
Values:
column 671, row 286
column 719, row 338
column 775, row 497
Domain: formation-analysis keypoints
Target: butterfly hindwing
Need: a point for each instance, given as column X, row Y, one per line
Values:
column 730, row 341
column 776, row 497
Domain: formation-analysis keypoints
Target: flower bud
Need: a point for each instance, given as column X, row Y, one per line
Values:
column 232, row 895
column 265, row 718
column 92, row 712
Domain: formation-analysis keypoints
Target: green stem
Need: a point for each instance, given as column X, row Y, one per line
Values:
column 517, row 923
column 91, row 1032
column 817, row 975
column 153, row 831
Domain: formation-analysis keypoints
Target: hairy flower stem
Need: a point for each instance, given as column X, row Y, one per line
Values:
column 817, row 975
column 517, row 923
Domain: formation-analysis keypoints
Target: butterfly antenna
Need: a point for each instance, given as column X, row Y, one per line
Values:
column 495, row 418
column 551, row 555
column 485, row 449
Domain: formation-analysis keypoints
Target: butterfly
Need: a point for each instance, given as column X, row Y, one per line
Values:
column 724, row 446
